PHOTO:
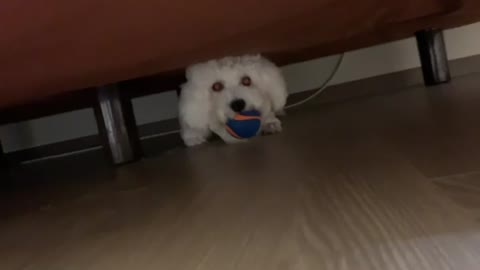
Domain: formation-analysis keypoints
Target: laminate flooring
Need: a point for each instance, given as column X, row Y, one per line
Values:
column 384, row 182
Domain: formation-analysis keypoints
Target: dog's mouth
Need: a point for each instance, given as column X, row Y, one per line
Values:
column 225, row 117
column 236, row 105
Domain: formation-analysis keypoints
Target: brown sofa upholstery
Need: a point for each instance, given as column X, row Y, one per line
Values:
column 48, row 47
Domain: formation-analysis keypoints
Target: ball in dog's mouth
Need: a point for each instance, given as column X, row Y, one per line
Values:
column 244, row 124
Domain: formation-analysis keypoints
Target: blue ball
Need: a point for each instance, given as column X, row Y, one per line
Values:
column 244, row 125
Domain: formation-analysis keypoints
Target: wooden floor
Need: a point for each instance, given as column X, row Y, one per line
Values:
column 386, row 182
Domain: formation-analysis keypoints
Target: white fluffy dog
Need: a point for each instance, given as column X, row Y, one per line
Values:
column 216, row 90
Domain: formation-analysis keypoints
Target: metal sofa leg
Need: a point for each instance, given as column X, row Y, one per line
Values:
column 117, row 126
column 433, row 56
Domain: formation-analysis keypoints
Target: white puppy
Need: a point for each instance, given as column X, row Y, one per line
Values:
column 217, row 89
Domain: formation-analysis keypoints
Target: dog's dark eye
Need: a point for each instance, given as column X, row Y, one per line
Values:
column 246, row 81
column 217, row 87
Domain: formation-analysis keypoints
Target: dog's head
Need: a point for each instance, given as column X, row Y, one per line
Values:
column 219, row 89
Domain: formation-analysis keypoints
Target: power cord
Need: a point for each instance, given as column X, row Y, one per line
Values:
column 322, row 87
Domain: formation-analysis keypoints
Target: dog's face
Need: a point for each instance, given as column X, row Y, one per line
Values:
column 231, row 85
column 216, row 90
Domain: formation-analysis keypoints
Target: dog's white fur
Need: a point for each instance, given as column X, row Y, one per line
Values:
column 203, row 110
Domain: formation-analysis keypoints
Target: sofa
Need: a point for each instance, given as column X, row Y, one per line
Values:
column 65, row 50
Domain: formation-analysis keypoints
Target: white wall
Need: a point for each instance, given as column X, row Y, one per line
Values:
column 387, row 58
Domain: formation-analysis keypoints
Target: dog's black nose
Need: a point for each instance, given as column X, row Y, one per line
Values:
column 238, row 105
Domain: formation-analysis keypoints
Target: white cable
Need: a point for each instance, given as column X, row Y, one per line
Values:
column 322, row 87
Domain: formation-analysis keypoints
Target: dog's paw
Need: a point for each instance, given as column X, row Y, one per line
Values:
column 271, row 126
column 193, row 137
column 194, row 141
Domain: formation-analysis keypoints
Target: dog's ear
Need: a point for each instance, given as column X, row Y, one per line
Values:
column 272, row 83
column 194, row 113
